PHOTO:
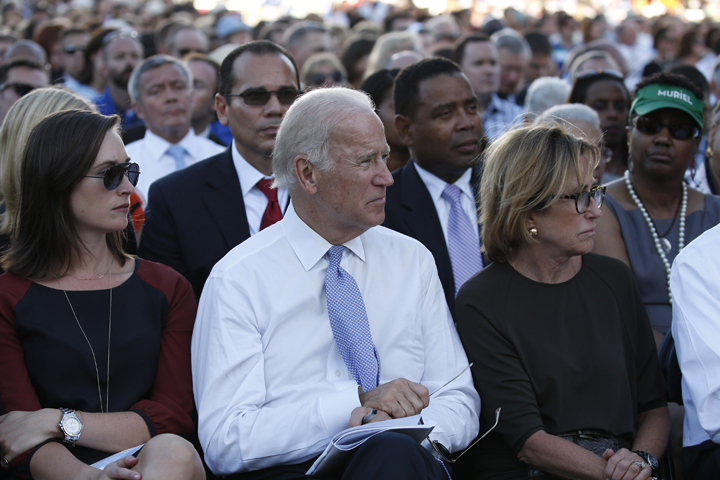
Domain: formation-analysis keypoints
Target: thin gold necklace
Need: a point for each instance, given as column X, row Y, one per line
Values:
column 96, row 278
column 97, row 372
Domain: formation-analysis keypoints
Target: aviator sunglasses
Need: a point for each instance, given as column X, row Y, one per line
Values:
column 21, row 89
column 679, row 131
column 261, row 97
column 113, row 176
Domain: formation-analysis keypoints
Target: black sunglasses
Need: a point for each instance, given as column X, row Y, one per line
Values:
column 113, row 176
column 261, row 97
column 186, row 51
column 582, row 199
column 599, row 71
column 21, row 89
column 679, row 131
column 320, row 78
column 71, row 49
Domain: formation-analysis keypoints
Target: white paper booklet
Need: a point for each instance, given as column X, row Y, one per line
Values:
column 339, row 450
column 112, row 458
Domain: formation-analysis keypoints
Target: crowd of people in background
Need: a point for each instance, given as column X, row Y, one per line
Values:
column 549, row 168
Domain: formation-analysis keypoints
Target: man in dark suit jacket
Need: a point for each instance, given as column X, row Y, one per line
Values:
column 436, row 117
column 196, row 215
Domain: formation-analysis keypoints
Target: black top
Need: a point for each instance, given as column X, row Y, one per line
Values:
column 47, row 363
column 556, row 357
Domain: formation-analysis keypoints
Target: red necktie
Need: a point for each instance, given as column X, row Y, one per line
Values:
column 272, row 212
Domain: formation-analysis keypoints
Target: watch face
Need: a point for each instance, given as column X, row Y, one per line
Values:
column 72, row 425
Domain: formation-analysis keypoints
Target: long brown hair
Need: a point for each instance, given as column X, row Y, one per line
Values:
column 60, row 151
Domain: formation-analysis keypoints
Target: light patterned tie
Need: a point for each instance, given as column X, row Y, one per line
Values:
column 349, row 323
column 178, row 154
column 462, row 242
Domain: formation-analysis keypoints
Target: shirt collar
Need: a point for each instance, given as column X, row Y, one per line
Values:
column 436, row 185
column 249, row 175
column 156, row 146
column 308, row 245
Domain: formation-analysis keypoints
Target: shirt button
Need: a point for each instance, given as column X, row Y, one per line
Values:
column 337, row 373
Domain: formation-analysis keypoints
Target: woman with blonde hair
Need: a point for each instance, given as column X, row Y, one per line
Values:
column 323, row 70
column 558, row 336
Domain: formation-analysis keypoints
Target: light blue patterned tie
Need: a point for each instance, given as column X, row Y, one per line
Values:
column 462, row 242
column 349, row 323
column 178, row 154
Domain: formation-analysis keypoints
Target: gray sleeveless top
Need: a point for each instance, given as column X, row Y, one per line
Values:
column 645, row 262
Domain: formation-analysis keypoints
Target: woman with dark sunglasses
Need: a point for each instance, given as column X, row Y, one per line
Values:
column 604, row 91
column 651, row 214
column 95, row 343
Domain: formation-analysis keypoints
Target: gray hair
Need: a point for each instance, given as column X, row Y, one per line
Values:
column 511, row 40
column 546, row 92
column 570, row 113
column 38, row 52
column 151, row 63
column 307, row 127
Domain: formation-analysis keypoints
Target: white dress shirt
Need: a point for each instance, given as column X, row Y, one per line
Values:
column 695, row 283
column 150, row 153
column 255, row 200
column 436, row 186
column 270, row 384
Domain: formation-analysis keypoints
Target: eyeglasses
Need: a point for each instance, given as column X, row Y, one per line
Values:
column 321, row 78
column 186, row 51
column 582, row 199
column 679, row 131
column 21, row 89
column 71, row 49
column 445, row 454
column 261, row 97
column 113, row 176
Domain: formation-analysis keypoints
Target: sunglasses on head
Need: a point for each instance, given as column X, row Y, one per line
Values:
column 261, row 97
column 679, row 131
column 117, row 35
column 599, row 71
column 71, row 49
column 21, row 89
column 320, row 78
column 113, row 176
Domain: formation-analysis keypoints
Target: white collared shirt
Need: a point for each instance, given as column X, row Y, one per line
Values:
column 150, row 153
column 695, row 283
column 270, row 384
column 255, row 200
column 436, row 186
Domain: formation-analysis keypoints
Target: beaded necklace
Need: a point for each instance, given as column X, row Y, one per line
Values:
column 653, row 230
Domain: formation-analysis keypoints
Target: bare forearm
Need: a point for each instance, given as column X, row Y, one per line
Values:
column 653, row 432
column 113, row 432
column 561, row 458
column 54, row 462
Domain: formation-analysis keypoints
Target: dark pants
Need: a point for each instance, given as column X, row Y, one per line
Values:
column 388, row 455
column 702, row 462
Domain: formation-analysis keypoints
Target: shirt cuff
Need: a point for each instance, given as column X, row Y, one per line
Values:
column 335, row 409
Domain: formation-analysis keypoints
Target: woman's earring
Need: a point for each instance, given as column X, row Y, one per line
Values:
column 692, row 169
column 533, row 232
column 630, row 164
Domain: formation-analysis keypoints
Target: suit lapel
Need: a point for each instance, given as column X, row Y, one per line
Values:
column 224, row 200
column 422, row 218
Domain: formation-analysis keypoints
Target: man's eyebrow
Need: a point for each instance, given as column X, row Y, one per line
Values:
column 442, row 107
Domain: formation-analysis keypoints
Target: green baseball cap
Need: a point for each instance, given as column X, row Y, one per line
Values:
column 654, row 97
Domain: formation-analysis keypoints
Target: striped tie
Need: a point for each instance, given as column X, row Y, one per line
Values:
column 462, row 243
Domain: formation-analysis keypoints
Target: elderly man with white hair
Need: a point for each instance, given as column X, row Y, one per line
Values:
column 326, row 320
column 544, row 93
column 582, row 121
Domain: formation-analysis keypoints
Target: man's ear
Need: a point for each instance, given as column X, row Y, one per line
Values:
column 403, row 125
column 306, row 174
column 138, row 111
column 221, row 106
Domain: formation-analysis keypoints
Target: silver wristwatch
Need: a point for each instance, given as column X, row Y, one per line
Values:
column 71, row 426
